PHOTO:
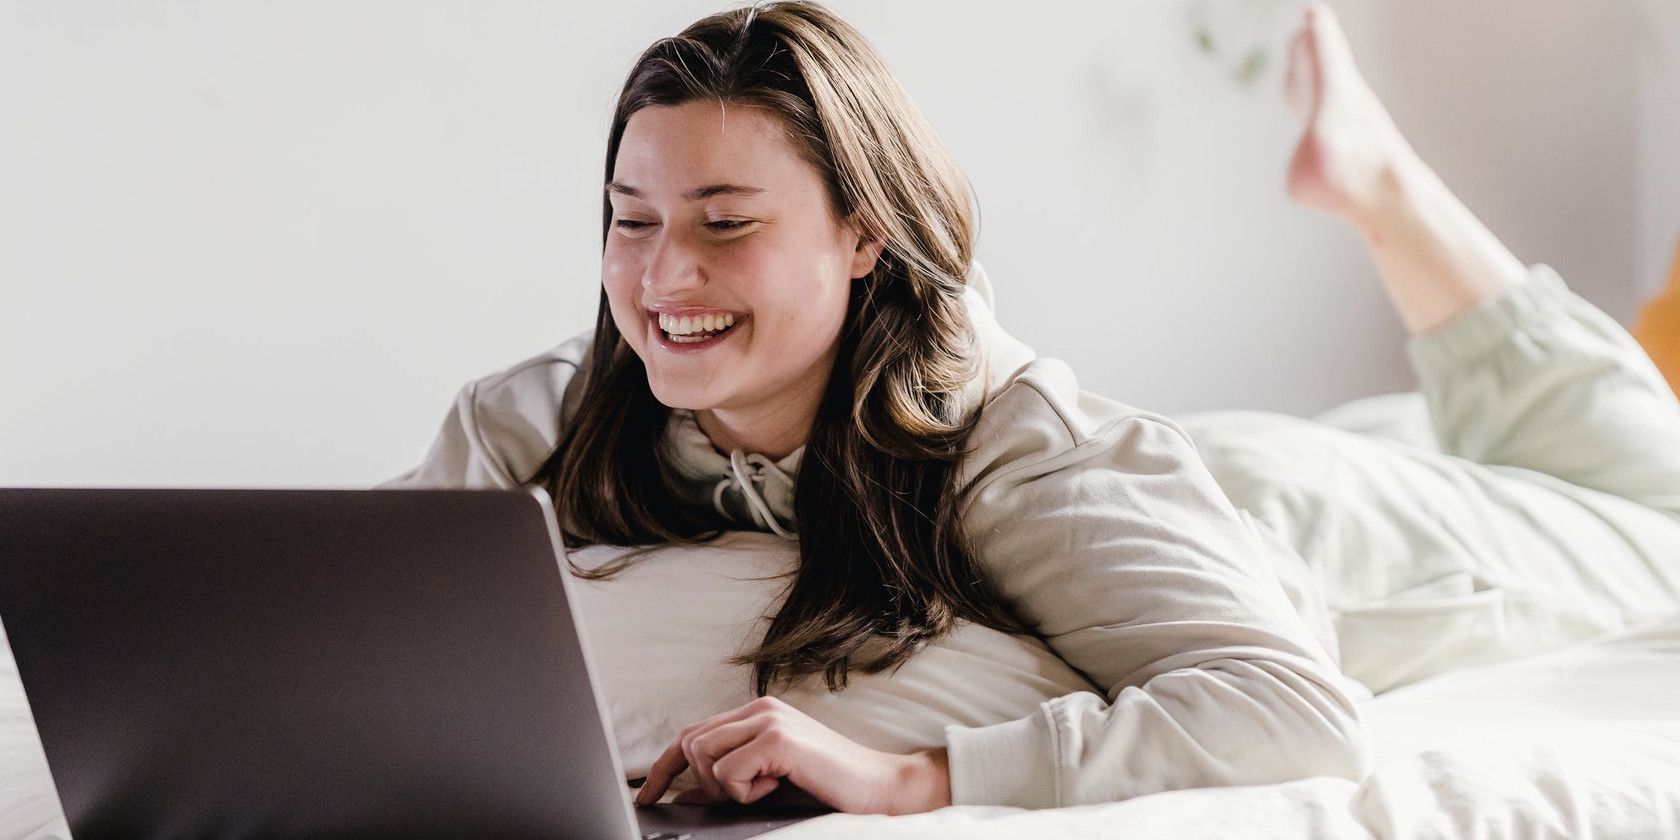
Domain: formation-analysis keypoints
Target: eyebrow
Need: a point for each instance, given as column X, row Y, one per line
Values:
column 695, row 194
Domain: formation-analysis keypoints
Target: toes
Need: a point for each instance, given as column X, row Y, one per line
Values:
column 1329, row 42
column 1318, row 14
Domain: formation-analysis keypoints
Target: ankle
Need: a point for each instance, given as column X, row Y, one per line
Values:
column 1398, row 200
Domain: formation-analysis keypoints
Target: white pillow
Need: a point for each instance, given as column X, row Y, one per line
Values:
column 661, row 631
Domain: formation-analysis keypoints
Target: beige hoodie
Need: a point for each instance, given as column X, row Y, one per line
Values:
column 1178, row 644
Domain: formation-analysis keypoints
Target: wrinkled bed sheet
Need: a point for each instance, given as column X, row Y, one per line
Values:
column 1581, row 742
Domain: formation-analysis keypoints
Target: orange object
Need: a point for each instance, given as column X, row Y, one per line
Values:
column 1658, row 327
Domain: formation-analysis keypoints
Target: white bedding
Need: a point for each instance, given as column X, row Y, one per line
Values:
column 1582, row 742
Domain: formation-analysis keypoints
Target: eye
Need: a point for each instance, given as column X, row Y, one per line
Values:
column 631, row 225
column 728, row 224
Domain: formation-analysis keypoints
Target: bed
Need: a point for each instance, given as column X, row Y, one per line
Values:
column 1580, row 742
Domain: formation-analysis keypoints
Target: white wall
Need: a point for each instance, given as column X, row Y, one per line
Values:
column 1657, row 49
column 263, row 244
column 1546, row 150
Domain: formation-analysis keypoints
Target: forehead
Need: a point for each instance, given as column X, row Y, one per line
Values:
column 672, row 148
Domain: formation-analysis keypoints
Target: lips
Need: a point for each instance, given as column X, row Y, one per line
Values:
column 709, row 322
column 693, row 342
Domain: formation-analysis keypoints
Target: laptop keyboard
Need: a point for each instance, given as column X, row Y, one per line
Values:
column 665, row 835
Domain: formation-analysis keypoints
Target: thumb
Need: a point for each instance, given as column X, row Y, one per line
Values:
column 752, row 791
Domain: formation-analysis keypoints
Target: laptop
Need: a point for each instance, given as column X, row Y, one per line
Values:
column 317, row 663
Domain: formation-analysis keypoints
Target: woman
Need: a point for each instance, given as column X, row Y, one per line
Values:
column 1006, row 590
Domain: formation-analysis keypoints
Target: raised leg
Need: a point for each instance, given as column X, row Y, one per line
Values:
column 1435, row 258
column 1538, row 378
column 1549, row 510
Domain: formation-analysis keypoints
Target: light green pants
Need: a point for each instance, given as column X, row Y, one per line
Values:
column 1526, row 497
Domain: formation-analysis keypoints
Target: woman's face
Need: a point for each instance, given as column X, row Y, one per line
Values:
column 726, row 268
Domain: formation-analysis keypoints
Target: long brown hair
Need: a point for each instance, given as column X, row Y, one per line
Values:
column 884, row 563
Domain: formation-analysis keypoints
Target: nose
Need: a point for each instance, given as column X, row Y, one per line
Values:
column 674, row 266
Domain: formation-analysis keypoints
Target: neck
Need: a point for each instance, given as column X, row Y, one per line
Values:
column 773, row 430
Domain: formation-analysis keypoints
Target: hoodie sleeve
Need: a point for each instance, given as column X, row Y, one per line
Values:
column 502, row 427
column 1103, row 530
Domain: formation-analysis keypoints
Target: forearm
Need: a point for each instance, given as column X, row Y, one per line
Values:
column 925, row 782
column 1232, row 723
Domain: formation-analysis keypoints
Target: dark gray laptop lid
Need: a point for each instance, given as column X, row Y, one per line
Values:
column 288, row 663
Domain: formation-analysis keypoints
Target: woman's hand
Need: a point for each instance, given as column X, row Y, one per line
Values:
column 745, row 753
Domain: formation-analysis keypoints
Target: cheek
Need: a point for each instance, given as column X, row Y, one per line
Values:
column 808, row 319
column 799, row 289
column 621, row 274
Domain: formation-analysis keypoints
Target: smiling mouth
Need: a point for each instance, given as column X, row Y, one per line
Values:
column 696, row 337
column 691, row 331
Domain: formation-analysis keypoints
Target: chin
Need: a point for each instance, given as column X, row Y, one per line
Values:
column 692, row 399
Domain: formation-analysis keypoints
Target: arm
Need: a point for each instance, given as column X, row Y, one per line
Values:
column 501, row 427
column 458, row 457
column 1101, row 527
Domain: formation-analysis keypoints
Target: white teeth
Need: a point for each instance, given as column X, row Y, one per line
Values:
column 689, row 324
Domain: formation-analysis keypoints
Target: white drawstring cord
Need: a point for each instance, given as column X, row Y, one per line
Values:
column 739, row 464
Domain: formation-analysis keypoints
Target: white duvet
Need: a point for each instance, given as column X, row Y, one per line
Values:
column 1580, row 743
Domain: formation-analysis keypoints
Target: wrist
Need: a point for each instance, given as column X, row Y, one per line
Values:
column 924, row 782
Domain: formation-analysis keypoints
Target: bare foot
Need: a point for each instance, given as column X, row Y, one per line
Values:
column 1435, row 258
column 1350, row 148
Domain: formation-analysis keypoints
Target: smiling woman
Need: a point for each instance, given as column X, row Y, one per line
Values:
column 767, row 176
column 766, row 252
column 1007, row 590
column 765, row 172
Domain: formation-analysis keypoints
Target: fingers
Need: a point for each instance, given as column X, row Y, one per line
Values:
column 768, row 747
column 704, row 744
column 696, row 796
column 739, row 754
column 666, row 767
column 701, row 761
column 759, row 788
column 755, row 767
column 679, row 756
